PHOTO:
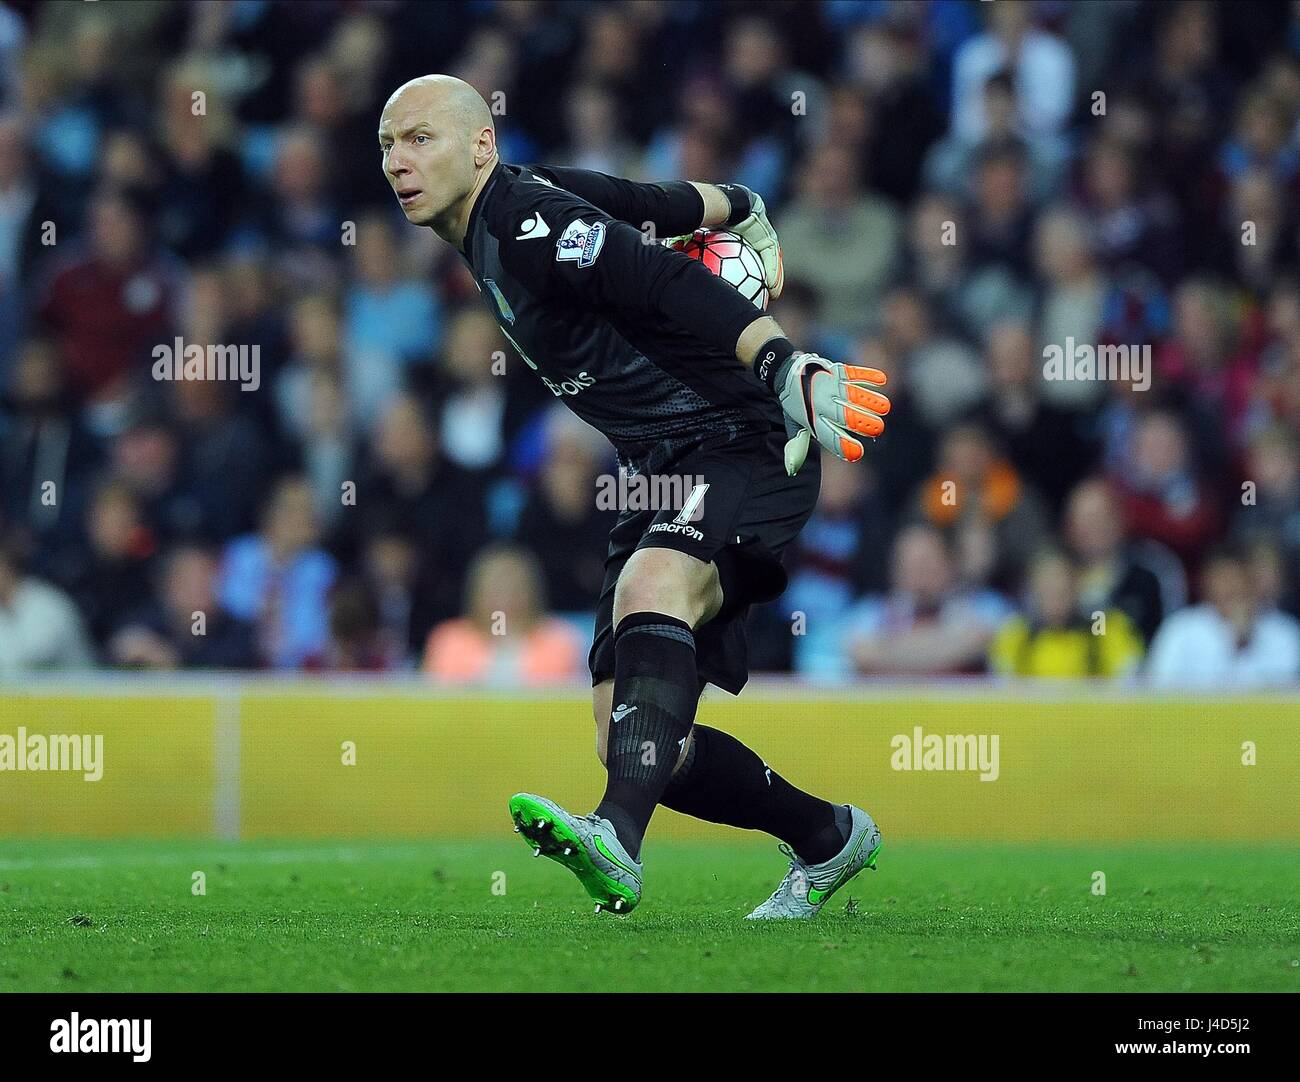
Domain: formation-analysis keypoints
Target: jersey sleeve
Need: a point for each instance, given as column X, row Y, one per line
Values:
column 565, row 249
column 673, row 207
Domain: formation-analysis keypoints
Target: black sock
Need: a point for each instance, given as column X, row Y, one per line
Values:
column 655, row 691
column 724, row 782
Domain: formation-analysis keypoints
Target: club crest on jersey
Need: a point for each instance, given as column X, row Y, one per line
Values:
column 580, row 243
column 507, row 313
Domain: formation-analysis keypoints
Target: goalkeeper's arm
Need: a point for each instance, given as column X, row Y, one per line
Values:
column 672, row 208
column 678, row 207
column 617, row 271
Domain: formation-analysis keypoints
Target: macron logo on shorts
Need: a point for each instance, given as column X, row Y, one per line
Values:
column 621, row 711
column 677, row 527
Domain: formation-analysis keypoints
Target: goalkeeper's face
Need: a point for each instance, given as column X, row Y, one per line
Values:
column 427, row 155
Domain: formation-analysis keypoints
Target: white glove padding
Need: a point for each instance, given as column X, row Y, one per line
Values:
column 831, row 402
column 758, row 233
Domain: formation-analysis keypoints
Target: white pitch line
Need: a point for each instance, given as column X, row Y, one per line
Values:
column 216, row 853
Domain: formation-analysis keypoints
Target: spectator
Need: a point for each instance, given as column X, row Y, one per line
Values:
column 1135, row 225
column 279, row 580
column 40, row 627
column 934, row 262
column 301, row 220
column 472, row 419
column 329, row 451
column 505, row 635
column 146, row 456
column 951, row 163
column 325, row 104
column 1209, row 357
column 760, row 80
column 837, row 557
column 1263, row 137
column 992, row 515
column 1110, row 576
column 357, row 642
column 1258, row 212
column 222, row 458
column 25, row 207
column 970, row 300
column 612, row 54
column 1162, row 495
column 595, row 138
column 999, row 213
column 1190, row 94
column 943, row 373
column 406, row 595
column 409, row 485
column 927, row 624
column 1055, row 638
column 317, row 351
column 255, row 317
column 1074, row 293
column 1229, row 640
column 113, row 578
column 391, row 320
column 1270, row 509
column 1276, row 394
column 561, row 523
column 130, row 162
column 46, row 454
column 1047, row 445
column 841, row 240
column 107, row 308
column 202, row 180
column 1040, row 64
column 886, row 77
column 185, row 628
column 1269, row 575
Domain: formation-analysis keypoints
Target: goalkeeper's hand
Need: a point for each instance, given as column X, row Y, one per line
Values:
column 749, row 221
column 823, row 400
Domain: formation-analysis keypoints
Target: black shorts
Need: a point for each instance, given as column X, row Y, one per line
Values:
column 743, row 521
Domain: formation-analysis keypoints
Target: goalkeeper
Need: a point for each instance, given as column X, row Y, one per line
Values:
column 687, row 380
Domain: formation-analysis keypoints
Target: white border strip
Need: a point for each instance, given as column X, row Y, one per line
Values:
column 760, row 688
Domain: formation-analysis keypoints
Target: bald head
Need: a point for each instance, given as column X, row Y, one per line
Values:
column 439, row 145
column 454, row 100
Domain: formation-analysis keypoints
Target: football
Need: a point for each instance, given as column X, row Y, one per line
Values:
column 730, row 258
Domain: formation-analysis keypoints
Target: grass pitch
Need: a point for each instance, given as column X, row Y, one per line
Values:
column 485, row 916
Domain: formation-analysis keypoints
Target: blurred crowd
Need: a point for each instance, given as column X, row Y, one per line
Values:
column 957, row 186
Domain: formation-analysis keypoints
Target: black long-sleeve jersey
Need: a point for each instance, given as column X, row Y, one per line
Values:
column 636, row 338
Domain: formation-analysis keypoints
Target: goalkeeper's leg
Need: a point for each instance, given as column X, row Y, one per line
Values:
column 662, row 595
column 674, row 617
column 718, row 779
